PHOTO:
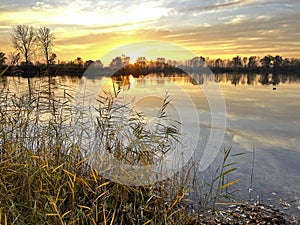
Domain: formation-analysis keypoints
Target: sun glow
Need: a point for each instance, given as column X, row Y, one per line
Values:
column 151, row 50
column 90, row 29
column 131, row 79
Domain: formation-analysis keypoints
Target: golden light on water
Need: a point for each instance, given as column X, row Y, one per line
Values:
column 131, row 79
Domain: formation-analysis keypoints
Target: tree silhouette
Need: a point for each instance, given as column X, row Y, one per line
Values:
column 14, row 58
column 197, row 62
column 245, row 60
column 116, row 62
column 219, row 63
column 252, row 62
column 23, row 38
column 267, row 61
column 52, row 58
column 98, row 63
column 79, row 61
column 45, row 39
column 237, row 62
column 278, row 61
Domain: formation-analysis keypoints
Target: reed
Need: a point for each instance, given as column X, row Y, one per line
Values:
column 45, row 176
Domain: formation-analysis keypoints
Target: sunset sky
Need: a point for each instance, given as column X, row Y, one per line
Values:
column 217, row 28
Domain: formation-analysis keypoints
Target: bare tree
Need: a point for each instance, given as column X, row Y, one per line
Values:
column 52, row 58
column 45, row 40
column 23, row 37
column 13, row 58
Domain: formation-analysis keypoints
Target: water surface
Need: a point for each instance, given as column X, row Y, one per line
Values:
column 263, row 120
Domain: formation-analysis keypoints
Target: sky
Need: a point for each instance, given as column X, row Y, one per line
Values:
column 215, row 29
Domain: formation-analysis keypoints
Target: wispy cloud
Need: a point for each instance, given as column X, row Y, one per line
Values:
column 217, row 6
column 237, row 19
column 85, row 12
column 217, row 27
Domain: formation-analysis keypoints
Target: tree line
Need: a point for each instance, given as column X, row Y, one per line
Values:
column 28, row 40
column 255, row 64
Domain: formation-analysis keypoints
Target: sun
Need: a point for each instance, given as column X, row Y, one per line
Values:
column 150, row 49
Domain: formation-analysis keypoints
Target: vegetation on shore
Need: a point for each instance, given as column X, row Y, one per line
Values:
column 46, row 178
column 136, row 69
column 45, row 174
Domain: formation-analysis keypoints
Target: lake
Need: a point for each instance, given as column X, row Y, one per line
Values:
column 262, row 120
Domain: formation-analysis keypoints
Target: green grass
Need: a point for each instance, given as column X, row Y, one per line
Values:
column 45, row 177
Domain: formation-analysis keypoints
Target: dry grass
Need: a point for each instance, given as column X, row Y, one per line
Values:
column 46, row 179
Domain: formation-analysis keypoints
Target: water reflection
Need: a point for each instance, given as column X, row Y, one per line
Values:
column 43, row 94
column 152, row 79
column 200, row 79
column 256, row 115
column 257, row 118
column 54, row 85
column 235, row 79
column 257, row 79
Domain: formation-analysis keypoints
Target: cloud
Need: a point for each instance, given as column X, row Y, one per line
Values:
column 218, row 6
column 101, row 12
column 237, row 19
column 85, row 12
column 244, row 35
column 209, row 28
